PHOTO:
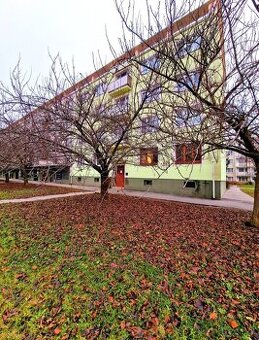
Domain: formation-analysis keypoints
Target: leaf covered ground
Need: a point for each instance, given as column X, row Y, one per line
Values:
column 128, row 268
column 19, row 190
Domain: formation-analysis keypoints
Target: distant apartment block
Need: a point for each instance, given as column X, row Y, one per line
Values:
column 239, row 168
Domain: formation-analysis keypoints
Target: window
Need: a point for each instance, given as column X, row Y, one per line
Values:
column 188, row 153
column 100, row 89
column 187, row 117
column 120, row 131
column 242, row 169
column 188, row 45
column 80, row 161
column 189, row 184
column 151, row 63
column 121, row 105
column 151, row 95
column 102, row 110
column 229, row 170
column 150, row 124
column 241, row 159
column 122, row 102
column 147, row 182
column 242, row 179
column 192, row 80
column 122, row 74
column 148, row 156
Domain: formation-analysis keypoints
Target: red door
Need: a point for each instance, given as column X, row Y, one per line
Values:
column 119, row 179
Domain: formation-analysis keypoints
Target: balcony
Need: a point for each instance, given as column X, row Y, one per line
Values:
column 120, row 86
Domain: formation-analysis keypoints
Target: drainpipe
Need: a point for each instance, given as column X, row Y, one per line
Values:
column 213, row 180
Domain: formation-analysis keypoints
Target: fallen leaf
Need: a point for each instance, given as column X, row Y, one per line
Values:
column 232, row 323
column 57, row 331
column 213, row 316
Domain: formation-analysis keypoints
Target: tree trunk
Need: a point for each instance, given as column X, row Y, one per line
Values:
column 25, row 177
column 255, row 215
column 7, row 178
column 105, row 183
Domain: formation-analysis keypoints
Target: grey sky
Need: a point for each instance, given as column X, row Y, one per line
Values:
column 30, row 28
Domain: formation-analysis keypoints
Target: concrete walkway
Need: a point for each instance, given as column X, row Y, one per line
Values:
column 233, row 197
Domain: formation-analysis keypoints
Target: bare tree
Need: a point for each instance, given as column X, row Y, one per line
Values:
column 207, row 63
column 81, row 121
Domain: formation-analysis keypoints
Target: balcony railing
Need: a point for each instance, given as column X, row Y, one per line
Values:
column 121, row 85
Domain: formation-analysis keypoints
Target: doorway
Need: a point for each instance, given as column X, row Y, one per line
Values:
column 119, row 179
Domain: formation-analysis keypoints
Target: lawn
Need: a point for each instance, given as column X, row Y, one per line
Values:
column 130, row 268
column 248, row 189
column 19, row 190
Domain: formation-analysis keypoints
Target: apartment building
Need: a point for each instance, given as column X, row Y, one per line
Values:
column 127, row 93
column 158, row 163
column 239, row 168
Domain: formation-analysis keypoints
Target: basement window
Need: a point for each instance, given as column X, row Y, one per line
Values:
column 190, row 184
column 147, row 182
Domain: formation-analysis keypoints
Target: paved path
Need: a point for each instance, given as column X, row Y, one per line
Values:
column 43, row 198
column 233, row 197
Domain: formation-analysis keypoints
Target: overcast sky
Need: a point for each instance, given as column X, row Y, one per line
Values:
column 29, row 28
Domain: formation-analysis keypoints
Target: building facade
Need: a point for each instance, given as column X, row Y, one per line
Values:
column 155, row 151
column 239, row 168
column 159, row 163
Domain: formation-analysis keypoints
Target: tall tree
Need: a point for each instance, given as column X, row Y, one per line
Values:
column 208, row 69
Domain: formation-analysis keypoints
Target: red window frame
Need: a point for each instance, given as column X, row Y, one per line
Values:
column 149, row 156
column 188, row 153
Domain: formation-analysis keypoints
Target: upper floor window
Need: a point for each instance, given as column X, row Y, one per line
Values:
column 122, row 74
column 229, row 170
column 188, row 45
column 80, row 161
column 150, row 124
column 188, row 153
column 100, row 89
column 242, row 169
column 151, row 95
column 192, row 80
column 187, row 117
column 151, row 63
column 242, row 159
column 122, row 102
column 120, row 106
column 148, row 156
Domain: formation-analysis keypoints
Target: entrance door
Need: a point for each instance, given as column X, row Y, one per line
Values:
column 119, row 179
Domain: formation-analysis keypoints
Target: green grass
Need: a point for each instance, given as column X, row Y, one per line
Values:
column 19, row 190
column 248, row 189
column 55, row 285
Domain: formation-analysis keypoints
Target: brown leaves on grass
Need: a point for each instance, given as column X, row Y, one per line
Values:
column 206, row 249
column 19, row 190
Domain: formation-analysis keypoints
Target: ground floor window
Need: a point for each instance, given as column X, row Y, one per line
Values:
column 148, row 156
column 188, row 153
